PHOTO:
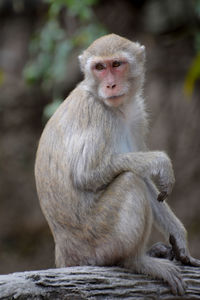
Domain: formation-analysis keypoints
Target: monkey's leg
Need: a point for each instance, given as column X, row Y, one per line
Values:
column 115, row 231
column 117, row 223
column 129, row 234
column 125, row 202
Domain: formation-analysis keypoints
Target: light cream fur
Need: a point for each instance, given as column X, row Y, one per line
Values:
column 93, row 174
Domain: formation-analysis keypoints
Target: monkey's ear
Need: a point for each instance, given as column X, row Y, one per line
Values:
column 80, row 57
column 142, row 53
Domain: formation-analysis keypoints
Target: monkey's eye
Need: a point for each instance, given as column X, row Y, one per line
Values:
column 116, row 64
column 99, row 67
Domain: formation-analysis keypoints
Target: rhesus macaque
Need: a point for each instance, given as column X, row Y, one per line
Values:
column 93, row 170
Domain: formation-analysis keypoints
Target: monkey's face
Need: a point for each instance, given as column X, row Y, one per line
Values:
column 114, row 69
column 111, row 76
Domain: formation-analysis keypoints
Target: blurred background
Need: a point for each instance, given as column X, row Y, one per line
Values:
column 39, row 44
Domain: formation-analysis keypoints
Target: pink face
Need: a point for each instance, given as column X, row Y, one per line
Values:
column 111, row 75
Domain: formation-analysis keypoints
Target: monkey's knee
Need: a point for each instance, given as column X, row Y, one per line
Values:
column 129, row 181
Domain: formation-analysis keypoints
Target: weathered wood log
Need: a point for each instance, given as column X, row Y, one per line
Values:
column 93, row 283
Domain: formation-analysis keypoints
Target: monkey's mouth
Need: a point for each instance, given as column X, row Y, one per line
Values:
column 115, row 97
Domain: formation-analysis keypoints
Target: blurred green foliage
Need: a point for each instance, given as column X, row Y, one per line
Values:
column 53, row 44
column 194, row 71
column 51, row 108
column 193, row 75
column 1, row 77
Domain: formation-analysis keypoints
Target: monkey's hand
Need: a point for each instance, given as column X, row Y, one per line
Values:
column 165, row 174
column 182, row 254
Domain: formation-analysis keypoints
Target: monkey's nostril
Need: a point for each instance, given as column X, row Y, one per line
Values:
column 111, row 86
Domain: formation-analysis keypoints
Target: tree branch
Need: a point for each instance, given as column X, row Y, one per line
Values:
column 93, row 283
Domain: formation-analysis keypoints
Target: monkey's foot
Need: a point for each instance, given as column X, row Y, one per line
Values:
column 182, row 254
column 173, row 277
column 161, row 269
column 161, row 250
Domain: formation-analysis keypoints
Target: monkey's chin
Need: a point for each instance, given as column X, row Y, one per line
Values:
column 115, row 101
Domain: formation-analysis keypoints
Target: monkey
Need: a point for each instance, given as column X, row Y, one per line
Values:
column 94, row 172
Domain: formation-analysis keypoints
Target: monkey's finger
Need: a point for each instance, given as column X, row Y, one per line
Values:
column 172, row 241
column 171, row 255
column 183, row 258
column 188, row 260
column 162, row 196
column 181, row 255
column 194, row 262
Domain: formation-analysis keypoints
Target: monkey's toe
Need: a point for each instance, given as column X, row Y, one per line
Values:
column 175, row 280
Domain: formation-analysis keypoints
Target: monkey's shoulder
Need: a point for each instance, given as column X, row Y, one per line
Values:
column 79, row 100
column 78, row 111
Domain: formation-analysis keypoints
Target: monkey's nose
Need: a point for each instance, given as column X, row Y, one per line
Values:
column 111, row 86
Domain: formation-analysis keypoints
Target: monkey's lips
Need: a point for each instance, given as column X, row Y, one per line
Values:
column 115, row 97
column 115, row 100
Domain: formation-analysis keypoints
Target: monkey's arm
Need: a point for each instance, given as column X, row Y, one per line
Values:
column 172, row 228
column 143, row 164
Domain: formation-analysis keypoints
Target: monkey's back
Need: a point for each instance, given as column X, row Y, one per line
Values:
column 68, row 146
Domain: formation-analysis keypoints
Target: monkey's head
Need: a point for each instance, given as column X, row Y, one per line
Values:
column 114, row 69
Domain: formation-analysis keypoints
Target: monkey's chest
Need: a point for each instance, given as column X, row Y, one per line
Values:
column 126, row 142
